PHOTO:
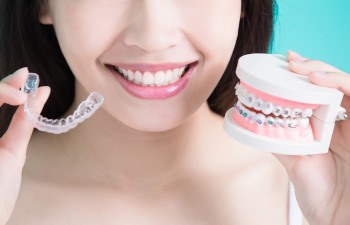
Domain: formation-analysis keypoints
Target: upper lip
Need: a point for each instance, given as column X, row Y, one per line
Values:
column 151, row 67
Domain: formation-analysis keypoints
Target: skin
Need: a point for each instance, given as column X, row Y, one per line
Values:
column 136, row 161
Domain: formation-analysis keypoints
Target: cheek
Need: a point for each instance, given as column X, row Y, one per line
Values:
column 85, row 31
column 215, row 36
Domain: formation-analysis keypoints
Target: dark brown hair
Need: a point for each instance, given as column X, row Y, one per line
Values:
column 24, row 41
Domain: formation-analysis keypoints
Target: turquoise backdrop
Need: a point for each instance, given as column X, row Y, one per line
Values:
column 318, row 29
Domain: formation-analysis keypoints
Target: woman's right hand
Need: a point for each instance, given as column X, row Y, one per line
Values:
column 14, row 143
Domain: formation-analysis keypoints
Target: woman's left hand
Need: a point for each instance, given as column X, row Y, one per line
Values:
column 322, row 182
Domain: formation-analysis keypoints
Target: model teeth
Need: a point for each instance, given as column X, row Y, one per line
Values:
column 160, row 78
column 261, row 119
column 251, row 101
column 270, row 114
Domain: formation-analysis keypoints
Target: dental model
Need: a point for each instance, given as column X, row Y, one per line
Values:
column 280, row 111
column 86, row 109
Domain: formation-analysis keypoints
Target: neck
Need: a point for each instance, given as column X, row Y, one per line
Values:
column 110, row 151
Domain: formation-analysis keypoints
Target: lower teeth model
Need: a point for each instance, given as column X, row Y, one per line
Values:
column 280, row 111
column 86, row 109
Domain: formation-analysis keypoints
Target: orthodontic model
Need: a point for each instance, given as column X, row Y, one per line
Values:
column 85, row 109
column 300, row 121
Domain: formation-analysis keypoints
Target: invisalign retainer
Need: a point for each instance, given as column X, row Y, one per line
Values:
column 311, row 110
column 56, row 126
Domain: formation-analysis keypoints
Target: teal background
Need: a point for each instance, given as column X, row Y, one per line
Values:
column 318, row 29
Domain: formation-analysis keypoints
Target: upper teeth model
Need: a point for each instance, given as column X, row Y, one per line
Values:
column 262, row 114
column 280, row 111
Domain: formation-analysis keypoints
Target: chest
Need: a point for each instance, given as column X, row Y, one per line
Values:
column 229, row 204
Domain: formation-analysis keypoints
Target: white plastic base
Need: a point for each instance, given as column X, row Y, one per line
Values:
column 271, row 144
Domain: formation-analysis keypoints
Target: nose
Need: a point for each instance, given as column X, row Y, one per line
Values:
column 153, row 27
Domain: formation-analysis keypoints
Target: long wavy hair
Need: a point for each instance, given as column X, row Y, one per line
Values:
column 24, row 41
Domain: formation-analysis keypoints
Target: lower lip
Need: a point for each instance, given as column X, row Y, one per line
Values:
column 158, row 92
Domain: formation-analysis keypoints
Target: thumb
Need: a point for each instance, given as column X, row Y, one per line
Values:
column 17, row 136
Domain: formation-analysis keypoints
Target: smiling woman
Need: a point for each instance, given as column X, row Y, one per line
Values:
column 155, row 152
column 35, row 45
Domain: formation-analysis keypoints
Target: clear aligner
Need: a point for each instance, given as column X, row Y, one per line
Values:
column 56, row 126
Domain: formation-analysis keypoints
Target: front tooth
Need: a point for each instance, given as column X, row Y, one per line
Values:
column 148, row 79
column 168, row 76
column 138, row 77
column 159, row 78
column 131, row 75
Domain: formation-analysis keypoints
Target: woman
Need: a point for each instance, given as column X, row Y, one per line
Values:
column 155, row 153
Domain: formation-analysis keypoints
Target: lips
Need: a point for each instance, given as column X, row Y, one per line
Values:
column 272, row 116
column 153, row 81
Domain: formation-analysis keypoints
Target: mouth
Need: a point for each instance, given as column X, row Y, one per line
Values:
column 153, row 81
column 272, row 116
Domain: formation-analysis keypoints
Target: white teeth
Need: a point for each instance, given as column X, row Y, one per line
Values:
column 296, row 113
column 168, row 76
column 286, row 112
column 270, row 121
column 131, row 75
column 290, row 123
column 260, row 119
column 267, row 108
column 160, row 78
column 307, row 113
column 258, row 104
column 138, row 77
column 277, row 111
column 250, row 100
column 279, row 122
column 147, row 79
column 303, row 122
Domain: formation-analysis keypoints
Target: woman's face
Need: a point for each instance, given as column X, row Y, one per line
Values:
column 173, row 51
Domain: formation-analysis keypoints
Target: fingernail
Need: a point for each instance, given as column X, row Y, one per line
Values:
column 298, row 55
column 24, row 68
column 297, row 62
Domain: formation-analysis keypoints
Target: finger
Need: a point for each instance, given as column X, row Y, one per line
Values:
column 293, row 56
column 16, row 79
column 11, row 95
column 336, row 80
column 306, row 67
column 19, row 132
